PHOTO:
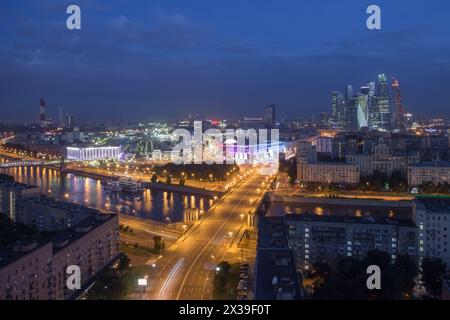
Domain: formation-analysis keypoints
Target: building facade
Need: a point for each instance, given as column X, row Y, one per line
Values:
column 433, row 220
column 11, row 194
column 327, row 238
column 37, row 271
column 94, row 153
column 436, row 172
column 328, row 172
column 381, row 160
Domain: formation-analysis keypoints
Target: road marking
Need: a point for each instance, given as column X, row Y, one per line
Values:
column 164, row 235
column 207, row 245
column 169, row 277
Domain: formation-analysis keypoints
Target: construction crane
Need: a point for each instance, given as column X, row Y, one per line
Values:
column 400, row 110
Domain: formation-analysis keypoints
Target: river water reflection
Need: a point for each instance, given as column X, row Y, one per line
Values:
column 151, row 204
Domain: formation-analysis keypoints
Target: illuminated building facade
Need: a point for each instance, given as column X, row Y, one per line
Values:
column 94, row 153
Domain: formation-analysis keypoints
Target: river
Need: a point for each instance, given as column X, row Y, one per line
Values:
column 151, row 204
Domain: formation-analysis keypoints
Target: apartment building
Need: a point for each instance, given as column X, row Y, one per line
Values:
column 36, row 270
column 316, row 238
column 429, row 172
column 328, row 172
column 11, row 194
column 433, row 220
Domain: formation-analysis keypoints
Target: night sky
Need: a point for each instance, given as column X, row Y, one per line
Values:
column 167, row 59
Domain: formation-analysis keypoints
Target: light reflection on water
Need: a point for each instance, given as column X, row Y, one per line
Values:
column 151, row 204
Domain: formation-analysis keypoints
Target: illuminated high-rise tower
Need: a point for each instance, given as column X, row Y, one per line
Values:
column 348, row 94
column 42, row 117
column 382, row 108
column 269, row 116
column 338, row 107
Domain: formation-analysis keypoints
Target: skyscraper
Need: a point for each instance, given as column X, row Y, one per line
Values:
column 338, row 108
column 61, row 117
column 269, row 116
column 348, row 94
column 362, row 111
column 382, row 102
column 372, row 106
column 42, row 116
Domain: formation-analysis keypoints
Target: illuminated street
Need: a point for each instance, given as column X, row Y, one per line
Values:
column 187, row 269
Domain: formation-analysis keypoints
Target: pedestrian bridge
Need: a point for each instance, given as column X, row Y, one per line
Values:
column 26, row 163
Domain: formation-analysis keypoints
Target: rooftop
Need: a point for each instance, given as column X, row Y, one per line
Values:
column 23, row 242
column 276, row 275
column 437, row 164
column 350, row 219
column 8, row 182
column 434, row 205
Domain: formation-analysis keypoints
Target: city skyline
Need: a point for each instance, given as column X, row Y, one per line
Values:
column 221, row 61
column 241, row 152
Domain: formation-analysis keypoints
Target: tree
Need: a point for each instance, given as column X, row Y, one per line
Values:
column 348, row 279
column 109, row 286
column 292, row 171
column 124, row 264
column 406, row 273
column 158, row 244
column 321, row 269
column 221, row 278
column 433, row 270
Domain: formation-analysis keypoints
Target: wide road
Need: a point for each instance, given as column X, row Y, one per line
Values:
column 187, row 268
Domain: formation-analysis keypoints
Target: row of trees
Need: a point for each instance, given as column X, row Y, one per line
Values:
column 225, row 281
column 435, row 188
column 216, row 172
column 110, row 284
column 347, row 278
column 396, row 182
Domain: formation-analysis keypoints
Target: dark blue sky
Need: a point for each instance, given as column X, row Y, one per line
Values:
column 166, row 59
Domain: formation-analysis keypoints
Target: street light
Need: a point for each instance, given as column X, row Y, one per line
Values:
column 184, row 230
